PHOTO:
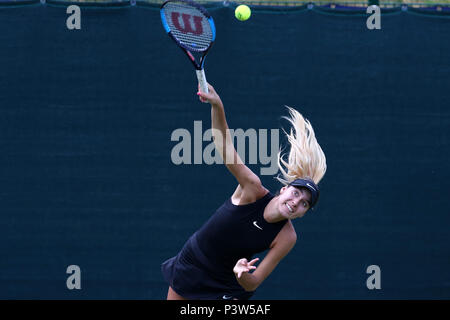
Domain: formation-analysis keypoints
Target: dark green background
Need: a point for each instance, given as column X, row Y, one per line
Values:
column 86, row 176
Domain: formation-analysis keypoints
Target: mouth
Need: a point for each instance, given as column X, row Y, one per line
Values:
column 289, row 208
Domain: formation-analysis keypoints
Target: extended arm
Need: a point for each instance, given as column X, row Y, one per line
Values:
column 224, row 144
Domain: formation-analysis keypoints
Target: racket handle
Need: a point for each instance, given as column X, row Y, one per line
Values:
column 202, row 80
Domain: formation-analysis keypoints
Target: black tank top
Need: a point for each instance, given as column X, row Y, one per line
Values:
column 234, row 232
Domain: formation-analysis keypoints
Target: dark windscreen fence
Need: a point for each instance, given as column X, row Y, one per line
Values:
column 91, row 173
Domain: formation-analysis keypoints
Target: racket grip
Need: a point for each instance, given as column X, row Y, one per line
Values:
column 202, row 80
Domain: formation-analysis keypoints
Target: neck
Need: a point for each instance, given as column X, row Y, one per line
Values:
column 271, row 213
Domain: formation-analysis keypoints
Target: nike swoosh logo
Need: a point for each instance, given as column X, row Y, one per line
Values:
column 311, row 187
column 225, row 297
column 256, row 225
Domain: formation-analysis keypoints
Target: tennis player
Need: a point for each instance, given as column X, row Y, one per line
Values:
column 216, row 262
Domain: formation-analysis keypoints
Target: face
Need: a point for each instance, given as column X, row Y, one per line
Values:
column 294, row 202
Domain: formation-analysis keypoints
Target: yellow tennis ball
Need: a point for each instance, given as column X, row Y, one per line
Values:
column 242, row 12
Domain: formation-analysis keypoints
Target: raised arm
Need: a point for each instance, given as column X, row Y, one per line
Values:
column 248, row 180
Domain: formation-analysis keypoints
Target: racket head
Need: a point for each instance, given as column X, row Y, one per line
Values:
column 188, row 24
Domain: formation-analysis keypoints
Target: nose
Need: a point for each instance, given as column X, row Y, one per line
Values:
column 295, row 203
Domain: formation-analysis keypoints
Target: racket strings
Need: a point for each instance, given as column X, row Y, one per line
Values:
column 189, row 26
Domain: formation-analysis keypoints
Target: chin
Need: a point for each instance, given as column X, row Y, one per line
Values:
column 284, row 210
column 286, row 213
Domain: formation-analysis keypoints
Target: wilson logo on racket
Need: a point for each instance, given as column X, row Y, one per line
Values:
column 187, row 25
column 193, row 30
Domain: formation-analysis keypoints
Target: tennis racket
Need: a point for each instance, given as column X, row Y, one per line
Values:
column 192, row 29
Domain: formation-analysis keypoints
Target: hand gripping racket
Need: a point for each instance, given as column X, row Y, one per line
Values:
column 192, row 29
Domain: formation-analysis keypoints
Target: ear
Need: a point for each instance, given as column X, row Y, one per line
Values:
column 283, row 189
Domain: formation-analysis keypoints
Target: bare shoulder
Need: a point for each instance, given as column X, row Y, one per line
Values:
column 250, row 193
column 286, row 238
column 235, row 198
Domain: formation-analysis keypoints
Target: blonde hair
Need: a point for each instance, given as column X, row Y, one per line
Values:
column 306, row 159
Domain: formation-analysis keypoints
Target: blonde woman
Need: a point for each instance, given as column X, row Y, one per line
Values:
column 216, row 262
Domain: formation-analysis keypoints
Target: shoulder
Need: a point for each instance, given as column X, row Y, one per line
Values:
column 252, row 192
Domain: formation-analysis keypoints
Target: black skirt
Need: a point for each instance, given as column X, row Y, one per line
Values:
column 190, row 275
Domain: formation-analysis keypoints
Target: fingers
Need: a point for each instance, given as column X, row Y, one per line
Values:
column 202, row 97
column 241, row 271
column 243, row 266
column 245, row 270
column 244, row 262
column 207, row 97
